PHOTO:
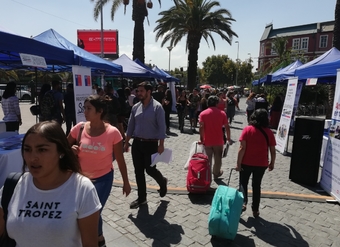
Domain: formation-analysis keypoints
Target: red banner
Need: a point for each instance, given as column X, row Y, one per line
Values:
column 90, row 40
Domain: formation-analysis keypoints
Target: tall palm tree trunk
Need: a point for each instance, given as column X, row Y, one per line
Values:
column 193, row 46
column 138, row 16
column 336, row 44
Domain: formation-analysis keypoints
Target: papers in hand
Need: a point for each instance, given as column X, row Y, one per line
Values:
column 165, row 157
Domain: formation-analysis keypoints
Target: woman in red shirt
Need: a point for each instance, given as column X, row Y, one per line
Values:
column 253, row 158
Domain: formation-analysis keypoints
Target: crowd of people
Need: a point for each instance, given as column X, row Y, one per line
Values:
column 81, row 161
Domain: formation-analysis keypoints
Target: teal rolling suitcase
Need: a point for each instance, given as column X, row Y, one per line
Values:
column 225, row 212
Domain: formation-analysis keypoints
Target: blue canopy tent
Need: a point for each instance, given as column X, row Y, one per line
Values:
column 157, row 75
column 283, row 74
column 168, row 78
column 85, row 58
column 132, row 69
column 324, row 68
column 11, row 45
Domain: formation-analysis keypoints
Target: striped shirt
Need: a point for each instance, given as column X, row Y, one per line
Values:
column 10, row 107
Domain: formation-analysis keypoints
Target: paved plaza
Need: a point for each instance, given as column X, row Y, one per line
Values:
column 291, row 214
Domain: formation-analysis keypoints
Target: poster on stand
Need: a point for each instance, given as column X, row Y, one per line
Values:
column 296, row 103
column 286, row 115
column 330, row 176
column 82, row 87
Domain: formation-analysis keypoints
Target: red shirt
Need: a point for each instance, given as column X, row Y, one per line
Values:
column 214, row 119
column 256, row 153
column 221, row 105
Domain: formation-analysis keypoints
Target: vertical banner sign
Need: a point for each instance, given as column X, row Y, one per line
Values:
column 286, row 115
column 330, row 177
column 82, row 89
column 296, row 103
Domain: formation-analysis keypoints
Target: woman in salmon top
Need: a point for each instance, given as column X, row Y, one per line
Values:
column 95, row 142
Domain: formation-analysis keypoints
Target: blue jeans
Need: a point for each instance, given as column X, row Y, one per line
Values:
column 103, row 186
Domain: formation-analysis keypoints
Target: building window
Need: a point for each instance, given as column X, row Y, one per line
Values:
column 323, row 41
column 262, row 49
column 296, row 44
column 304, row 44
column 273, row 52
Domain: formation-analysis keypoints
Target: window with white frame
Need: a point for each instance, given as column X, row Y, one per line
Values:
column 304, row 43
column 262, row 49
column 296, row 44
column 323, row 41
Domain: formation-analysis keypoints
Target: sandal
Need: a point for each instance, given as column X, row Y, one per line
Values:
column 256, row 214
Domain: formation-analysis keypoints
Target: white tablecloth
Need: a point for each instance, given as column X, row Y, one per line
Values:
column 10, row 160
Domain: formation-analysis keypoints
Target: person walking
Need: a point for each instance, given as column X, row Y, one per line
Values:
column 10, row 107
column 181, row 106
column 167, row 106
column 147, row 127
column 70, row 110
column 53, row 204
column 211, row 122
column 252, row 159
column 250, row 102
column 194, row 100
column 95, row 142
column 232, row 104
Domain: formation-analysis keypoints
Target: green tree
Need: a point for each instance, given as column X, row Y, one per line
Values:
column 8, row 75
column 196, row 20
column 336, row 44
column 245, row 75
column 213, row 69
column 139, row 12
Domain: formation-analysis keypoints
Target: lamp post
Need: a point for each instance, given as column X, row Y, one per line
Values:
column 169, row 48
column 238, row 46
column 101, row 32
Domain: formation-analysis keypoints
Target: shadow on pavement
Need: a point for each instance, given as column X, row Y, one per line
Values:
column 156, row 227
column 239, row 241
column 278, row 235
column 202, row 199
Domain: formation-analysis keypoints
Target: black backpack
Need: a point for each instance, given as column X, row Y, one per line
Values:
column 48, row 107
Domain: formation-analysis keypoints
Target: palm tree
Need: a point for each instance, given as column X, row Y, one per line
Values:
column 8, row 75
column 139, row 12
column 196, row 19
column 336, row 44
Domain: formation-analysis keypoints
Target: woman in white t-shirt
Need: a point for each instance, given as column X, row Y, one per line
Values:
column 52, row 204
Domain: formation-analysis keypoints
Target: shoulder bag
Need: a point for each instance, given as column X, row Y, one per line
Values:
column 10, row 183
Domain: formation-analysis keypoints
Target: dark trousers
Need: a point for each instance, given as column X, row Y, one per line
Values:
column 249, row 112
column 167, row 117
column 258, row 172
column 12, row 126
column 141, row 157
column 70, row 120
column 181, row 117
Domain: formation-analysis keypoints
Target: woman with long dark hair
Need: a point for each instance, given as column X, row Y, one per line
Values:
column 52, row 204
column 253, row 159
column 95, row 141
column 10, row 107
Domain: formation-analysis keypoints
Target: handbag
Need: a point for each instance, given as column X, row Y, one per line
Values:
column 79, row 134
column 10, row 183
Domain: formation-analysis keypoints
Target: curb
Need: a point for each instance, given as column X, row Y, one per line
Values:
column 264, row 194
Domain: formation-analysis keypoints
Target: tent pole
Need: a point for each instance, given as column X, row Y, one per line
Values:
column 36, row 89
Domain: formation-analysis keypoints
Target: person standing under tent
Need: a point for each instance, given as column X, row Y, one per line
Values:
column 10, row 107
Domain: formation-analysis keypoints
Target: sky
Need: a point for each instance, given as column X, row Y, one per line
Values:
column 30, row 18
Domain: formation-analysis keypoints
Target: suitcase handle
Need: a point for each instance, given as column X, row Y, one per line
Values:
column 240, row 188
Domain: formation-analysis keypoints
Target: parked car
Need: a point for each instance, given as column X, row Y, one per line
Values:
column 21, row 93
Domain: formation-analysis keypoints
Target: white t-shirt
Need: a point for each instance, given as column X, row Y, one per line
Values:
column 49, row 217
